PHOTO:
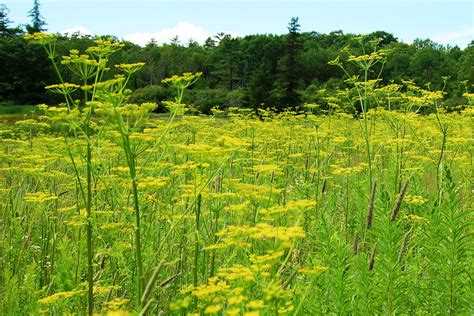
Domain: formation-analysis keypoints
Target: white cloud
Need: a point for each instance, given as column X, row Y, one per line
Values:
column 184, row 30
column 82, row 30
column 461, row 38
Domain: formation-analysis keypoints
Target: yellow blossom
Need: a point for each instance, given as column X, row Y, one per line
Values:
column 256, row 304
column 58, row 296
column 212, row 309
column 39, row 197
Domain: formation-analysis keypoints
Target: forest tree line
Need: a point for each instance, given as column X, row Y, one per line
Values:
column 255, row 71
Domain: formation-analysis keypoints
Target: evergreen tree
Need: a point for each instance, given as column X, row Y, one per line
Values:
column 290, row 67
column 227, row 54
column 5, row 29
column 260, row 87
column 4, row 21
column 37, row 21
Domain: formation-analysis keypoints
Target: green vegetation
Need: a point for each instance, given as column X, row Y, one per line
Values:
column 106, row 210
column 322, row 181
column 17, row 109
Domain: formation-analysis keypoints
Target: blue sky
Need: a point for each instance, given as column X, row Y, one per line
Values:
column 445, row 21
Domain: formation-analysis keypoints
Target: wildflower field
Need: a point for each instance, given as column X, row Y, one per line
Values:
column 109, row 210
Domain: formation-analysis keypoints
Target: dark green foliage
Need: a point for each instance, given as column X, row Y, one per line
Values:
column 451, row 233
column 23, row 82
column 290, row 68
column 266, row 71
column 4, row 20
column 382, row 37
column 203, row 100
column 260, row 88
column 466, row 63
column 226, row 61
column 152, row 93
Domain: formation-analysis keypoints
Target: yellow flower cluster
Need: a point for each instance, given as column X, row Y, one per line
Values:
column 415, row 218
column 290, row 207
column 130, row 66
column 254, row 189
column 236, row 272
column 367, row 57
column 236, row 235
column 75, row 58
column 116, row 303
column 104, row 47
column 31, row 123
column 39, row 197
column 183, row 81
column 265, row 259
column 152, row 183
column 414, row 199
column 344, row 171
column 207, row 291
column 63, row 88
column 41, row 38
column 59, row 296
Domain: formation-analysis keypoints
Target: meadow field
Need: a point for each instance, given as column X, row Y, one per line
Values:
column 107, row 209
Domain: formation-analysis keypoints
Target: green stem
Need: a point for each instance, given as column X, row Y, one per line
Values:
column 439, row 173
column 69, row 100
column 90, row 269
column 138, row 246
column 196, row 245
column 366, row 130
column 131, row 161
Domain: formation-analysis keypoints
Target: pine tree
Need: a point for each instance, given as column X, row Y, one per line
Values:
column 37, row 21
column 4, row 21
column 228, row 54
column 290, row 67
column 260, row 87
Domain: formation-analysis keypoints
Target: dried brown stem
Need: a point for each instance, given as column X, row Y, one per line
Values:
column 370, row 210
column 396, row 208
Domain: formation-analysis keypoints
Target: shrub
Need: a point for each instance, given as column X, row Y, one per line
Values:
column 205, row 99
column 153, row 93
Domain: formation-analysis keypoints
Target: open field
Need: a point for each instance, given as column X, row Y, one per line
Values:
column 240, row 216
column 358, row 204
column 197, row 158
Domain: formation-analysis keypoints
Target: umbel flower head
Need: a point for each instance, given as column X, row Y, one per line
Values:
column 130, row 69
column 75, row 58
column 63, row 88
column 183, row 81
column 104, row 48
column 82, row 65
column 41, row 38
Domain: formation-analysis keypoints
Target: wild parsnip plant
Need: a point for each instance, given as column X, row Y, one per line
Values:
column 369, row 64
column 107, row 209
